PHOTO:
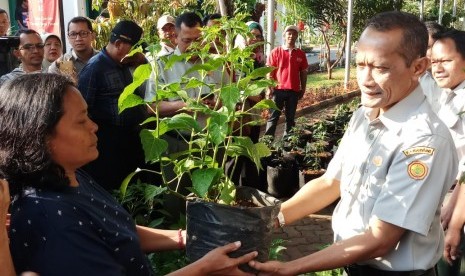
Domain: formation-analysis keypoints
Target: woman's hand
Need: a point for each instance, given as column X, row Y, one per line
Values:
column 271, row 268
column 452, row 245
column 217, row 262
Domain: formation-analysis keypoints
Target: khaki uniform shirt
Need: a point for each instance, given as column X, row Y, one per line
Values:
column 452, row 102
column 175, row 74
column 397, row 169
column 431, row 90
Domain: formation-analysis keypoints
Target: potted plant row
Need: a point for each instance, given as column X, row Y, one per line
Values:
column 305, row 152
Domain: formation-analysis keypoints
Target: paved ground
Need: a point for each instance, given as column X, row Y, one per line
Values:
column 306, row 236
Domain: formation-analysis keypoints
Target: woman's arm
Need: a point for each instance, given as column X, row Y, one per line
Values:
column 158, row 240
column 6, row 263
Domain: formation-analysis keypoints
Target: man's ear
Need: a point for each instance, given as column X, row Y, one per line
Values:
column 17, row 53
column 118, row 43
column 419, row 66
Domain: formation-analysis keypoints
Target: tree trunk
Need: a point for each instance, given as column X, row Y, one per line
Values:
column 222, row 6
column 258, row 12
column 338, row 59
column 328, row 55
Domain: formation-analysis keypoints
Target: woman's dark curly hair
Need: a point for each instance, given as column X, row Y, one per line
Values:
column 30, row 108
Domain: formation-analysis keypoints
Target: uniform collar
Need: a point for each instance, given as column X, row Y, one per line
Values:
column 400, row 112
column 458, row 90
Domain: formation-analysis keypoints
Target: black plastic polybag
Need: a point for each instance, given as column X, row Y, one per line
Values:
column 210, row 225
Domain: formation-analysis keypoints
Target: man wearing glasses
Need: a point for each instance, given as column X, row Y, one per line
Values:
column 80, row 36
column 30, row 53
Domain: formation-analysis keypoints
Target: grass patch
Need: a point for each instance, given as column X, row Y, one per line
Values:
column 320, row 79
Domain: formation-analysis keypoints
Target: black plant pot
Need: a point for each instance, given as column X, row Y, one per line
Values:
column 210, row 225
column 307, row 175
column 283, row 181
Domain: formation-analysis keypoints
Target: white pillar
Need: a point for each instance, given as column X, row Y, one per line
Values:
column 70, row 10
column 270, row 23
column 422, row 9
column 441, row 10
column 348, row 44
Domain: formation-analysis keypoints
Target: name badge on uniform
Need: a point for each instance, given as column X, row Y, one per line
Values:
column 418, row 150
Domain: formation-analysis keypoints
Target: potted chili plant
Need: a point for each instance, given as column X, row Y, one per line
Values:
column 212, row 144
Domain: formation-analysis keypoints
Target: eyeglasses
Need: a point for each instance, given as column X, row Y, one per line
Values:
column 30, row 47
column 82, row 34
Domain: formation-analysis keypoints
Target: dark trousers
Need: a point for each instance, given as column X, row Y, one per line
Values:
column 365, row 270
column 287, row 99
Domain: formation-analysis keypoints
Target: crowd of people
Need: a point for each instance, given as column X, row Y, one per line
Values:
column 65, row 146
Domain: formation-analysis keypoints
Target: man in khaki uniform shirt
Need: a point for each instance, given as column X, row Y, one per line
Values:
column 392, row 169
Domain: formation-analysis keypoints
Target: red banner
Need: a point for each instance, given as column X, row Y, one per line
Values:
column 44, row 16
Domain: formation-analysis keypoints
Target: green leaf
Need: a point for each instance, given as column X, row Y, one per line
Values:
column 124, row 185
column 257, row 87
column 228, row 192
column 203, row 179
column 199, row 67
column 207, row 66
column 153, row 147
column 264, row 104
column 218, row 127
column 194, row 83
column 261, row 72
column 149, row 120
column 156, row 222
column 151, row 191
column 127, row 99
column 230, row 96
column 243, row 146
column 258, row 151
column 170, row 60
column 182, row 121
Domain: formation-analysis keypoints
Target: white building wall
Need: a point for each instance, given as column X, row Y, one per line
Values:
column 72, row 8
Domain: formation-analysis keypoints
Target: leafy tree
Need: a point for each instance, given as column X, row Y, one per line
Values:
column 431, row 11
column 329, row 17
column 363, row 10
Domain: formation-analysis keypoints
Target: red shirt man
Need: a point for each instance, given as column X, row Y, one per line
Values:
column 291, row 74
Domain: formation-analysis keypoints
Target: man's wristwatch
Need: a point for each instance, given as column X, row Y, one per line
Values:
column 281, row 220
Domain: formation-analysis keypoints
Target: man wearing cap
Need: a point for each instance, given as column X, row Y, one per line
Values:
column 291, row 74
column 101, row 82
column 80, row 36
column 30, row 53
column 52, row 49
column 167, row 34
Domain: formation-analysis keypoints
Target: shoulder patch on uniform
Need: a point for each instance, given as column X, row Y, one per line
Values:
column 417, row 170
column 418, row 150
